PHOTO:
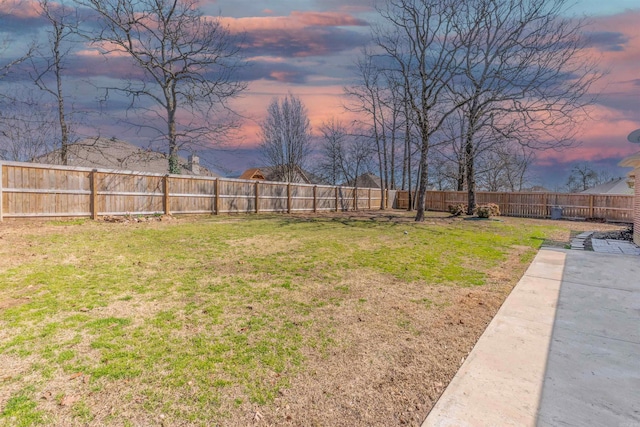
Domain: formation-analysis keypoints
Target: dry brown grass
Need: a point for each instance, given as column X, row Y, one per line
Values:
column 375, row 348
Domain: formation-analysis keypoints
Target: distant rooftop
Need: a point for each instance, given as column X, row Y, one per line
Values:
column 619, row 186
column 112, row 153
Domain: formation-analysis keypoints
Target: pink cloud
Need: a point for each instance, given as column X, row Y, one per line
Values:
column 22, row 9
column 322, row 104
column 604, row 135
column 620, row 61
column 282, row 76
column 296, row 20
column 326, row 19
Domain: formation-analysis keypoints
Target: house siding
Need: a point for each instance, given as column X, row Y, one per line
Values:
column 636, row 209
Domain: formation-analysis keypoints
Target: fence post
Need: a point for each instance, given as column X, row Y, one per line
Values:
column 93, row 201
column 257, row 190
column 165, row 199
column 288, row 197
column 336, row 199
column 315, row 198
column 216, row 200
column 1, row 196
column 355, row 198
column 369, row 202
column 591, row 206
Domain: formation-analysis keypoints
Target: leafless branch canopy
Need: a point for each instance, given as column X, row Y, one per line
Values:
column 286, row 137
column 478, row 76
column 25, row 126
column 345, row 153
column 185, row 65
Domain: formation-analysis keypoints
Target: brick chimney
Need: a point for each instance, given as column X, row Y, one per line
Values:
column 194, row 164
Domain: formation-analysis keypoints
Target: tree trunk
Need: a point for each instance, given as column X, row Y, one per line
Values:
column 461, row 171
column 471, row 182
column 422, row 190
column 410, row 207
column 174, row 164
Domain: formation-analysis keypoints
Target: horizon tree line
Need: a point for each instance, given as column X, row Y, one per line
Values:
column 449, row 93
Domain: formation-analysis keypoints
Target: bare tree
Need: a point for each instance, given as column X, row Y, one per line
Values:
column 26, row 126
column 504, row 168
column 345, row 153
column 187, row 65
column 380, row 99
column 286, row 136
column 517, row 163
column 443, row 174
column 419, row 39
column 525, row 76
column 6, row 61
column 334, row 135
column 48, row 64
column 367, row 96
column 584, row 176
column 357, row 157
column 451, row 150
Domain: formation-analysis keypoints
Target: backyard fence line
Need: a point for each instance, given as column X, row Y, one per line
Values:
column 614, row 208
column 36, row 190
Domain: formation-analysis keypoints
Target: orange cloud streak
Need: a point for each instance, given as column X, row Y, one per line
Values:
column 295, row 21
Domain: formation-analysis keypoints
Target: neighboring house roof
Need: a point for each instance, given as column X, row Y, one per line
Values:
column 115, row 154
column 366, row 180
column 253, row 173
column 536, row 189
column 270, row 173
column 614, row 187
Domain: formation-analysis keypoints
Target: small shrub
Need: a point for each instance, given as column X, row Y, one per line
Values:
column 488, row 210
column 457, row 210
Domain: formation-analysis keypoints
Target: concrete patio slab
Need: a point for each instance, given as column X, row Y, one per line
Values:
column 614, row 246
column 563, row 350
column 500, row 382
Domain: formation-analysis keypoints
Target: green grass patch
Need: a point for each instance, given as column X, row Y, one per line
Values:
column 22, row 410
column 191, row 313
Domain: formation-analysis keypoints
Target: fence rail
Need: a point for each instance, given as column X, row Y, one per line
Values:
column 615, row 208
column 34, row 190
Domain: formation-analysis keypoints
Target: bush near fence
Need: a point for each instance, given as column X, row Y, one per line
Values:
column 614, row 208
column 35, row 190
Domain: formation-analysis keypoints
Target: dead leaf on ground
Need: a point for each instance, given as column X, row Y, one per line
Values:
column 68, row 400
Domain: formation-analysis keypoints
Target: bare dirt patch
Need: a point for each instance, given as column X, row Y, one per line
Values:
column 383, row 349
column 12, row 302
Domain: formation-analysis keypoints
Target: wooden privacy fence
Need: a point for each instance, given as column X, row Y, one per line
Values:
column 34, row 190
column 616, row 208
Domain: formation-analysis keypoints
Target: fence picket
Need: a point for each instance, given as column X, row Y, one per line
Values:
column 35, row 190
column 615, row 208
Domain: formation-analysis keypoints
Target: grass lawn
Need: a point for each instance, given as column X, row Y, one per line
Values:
column 233, row 320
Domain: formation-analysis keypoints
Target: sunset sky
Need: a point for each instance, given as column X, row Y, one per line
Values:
column 308, row 48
